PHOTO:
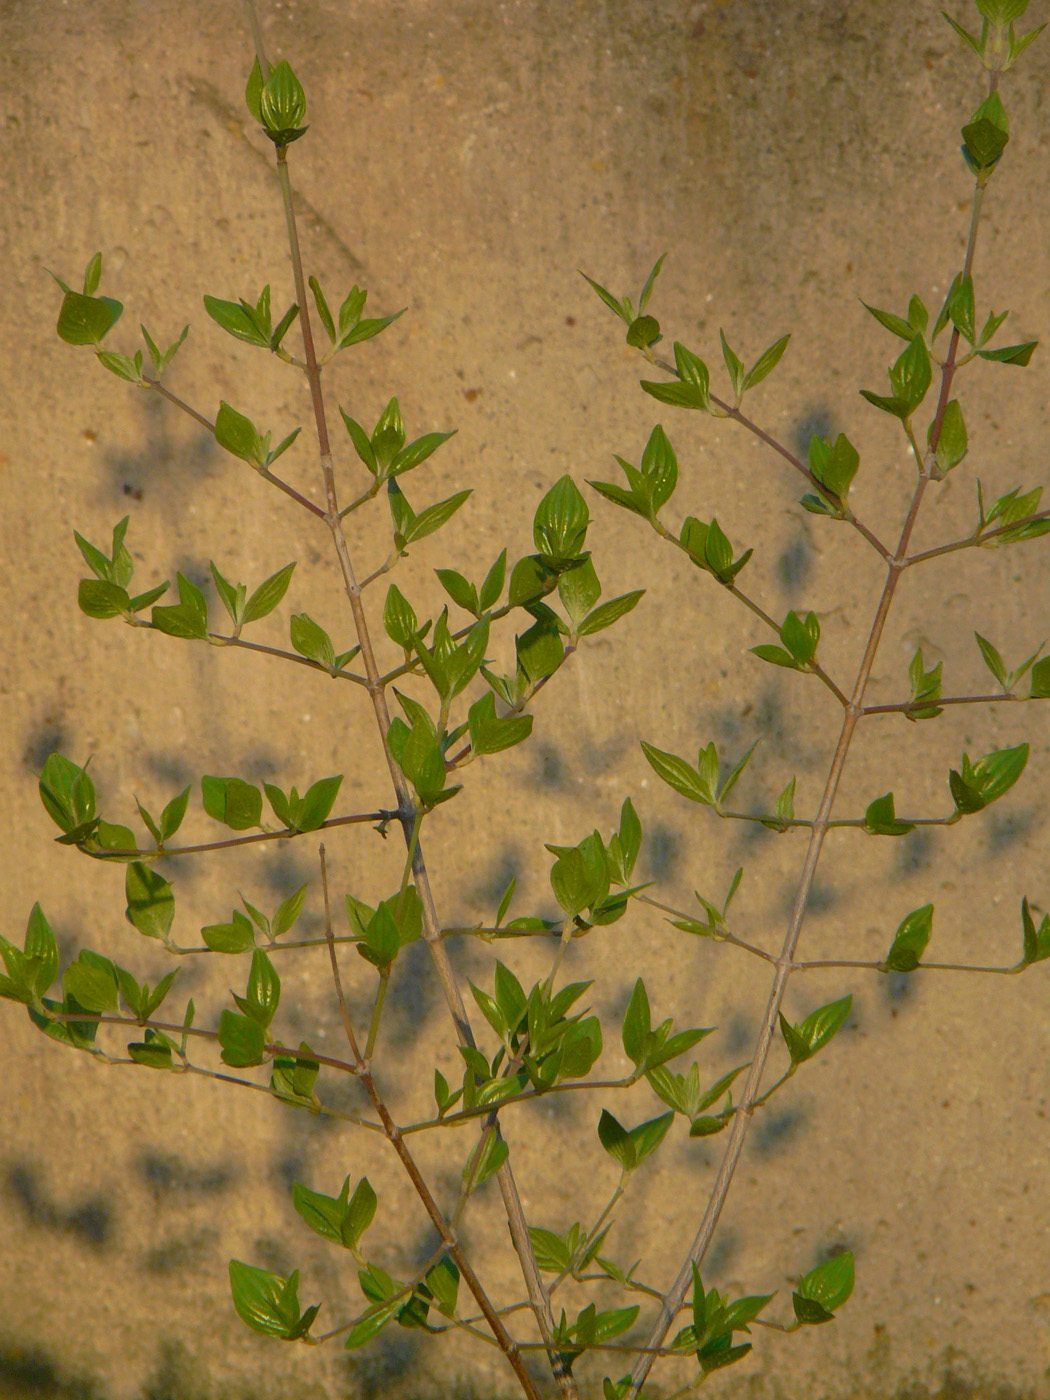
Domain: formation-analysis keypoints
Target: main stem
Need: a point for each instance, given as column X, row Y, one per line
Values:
column 853, row 708
column 448, row 1235
column 407, row 811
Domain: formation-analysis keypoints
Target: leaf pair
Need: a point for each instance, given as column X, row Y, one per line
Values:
column 385, row 452
column 834, row 465
column 262, row 602
column 382, row 932
column 251, row 323
column 238, row 935
column 269, row 1303
column 800, row 637
column 646, row 1046
column 708, row 546
column 311, row 640
column 106, row 595
column 699, row 783
column 239, row 435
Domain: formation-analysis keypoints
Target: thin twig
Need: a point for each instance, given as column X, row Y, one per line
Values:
column 286, row 833
column 264, row 472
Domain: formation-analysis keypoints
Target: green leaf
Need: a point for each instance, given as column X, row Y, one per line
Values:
column 992, row 659
column 318, row 802
column 961, row 309
column 268, row 594
column 580, row 875
column 647, row 287
column 432, row 518
column 460, row 590
column 269, row 1303
column 282, row 105
column 952, row 443
column 366, row 329
column 311, row 640
column 1036, row 940
column 834, row 465
column 188, row 618
column 155, row 1052
column 86, row 320
column 416, row 452
column 636, row 1023
column 608, row 613
column 288, row 912
column 733, row 364
column 983, row 142
column 530, row 579
column 369, row 1325
column 264, row 988
column 691, row 388
column 881, row 819
column 238, row 434
column 102, row 600
column 983, row 782
column 765, row 364
column 122, row 366
column 910, row 940
column 611, row 302
column 92, row 982
column 630, row 1147
column 924, row 685
column 67, row 792
column 828, row 1286
column 579, row 590
column 92, row 274
column 173, row 814
column 734, row 773
column 150, row 902
column 238, row 320
column 144, row 600
column 643, row 331
column 803, row 1041
column 489, row 734
column 242, row 1038
column 964, row 34
column 232, row 801
column 493, row 1154
column 232, row 597
column 540, row 651
column 493, row 584
column 112, row 837
column 897, row 324
column 324, row 1214
column 679, row 774
column 1041, row 679
column 234, row 937
column 1011, row 354
column 399, row 617
column 560, row 524
column 41, row 947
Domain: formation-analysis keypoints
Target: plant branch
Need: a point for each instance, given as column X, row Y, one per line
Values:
column 745, row 1110
column 286, row 833
column 975, row 540
column 508, row 1345
column 264, row 472
column 905, row 706
column 406, row 805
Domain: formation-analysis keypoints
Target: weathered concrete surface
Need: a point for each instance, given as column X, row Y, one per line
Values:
column 464, row 160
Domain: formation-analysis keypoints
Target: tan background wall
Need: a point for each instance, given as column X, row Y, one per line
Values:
column 465, row 159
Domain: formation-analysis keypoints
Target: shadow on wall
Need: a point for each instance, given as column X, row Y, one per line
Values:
column 34, row 1375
